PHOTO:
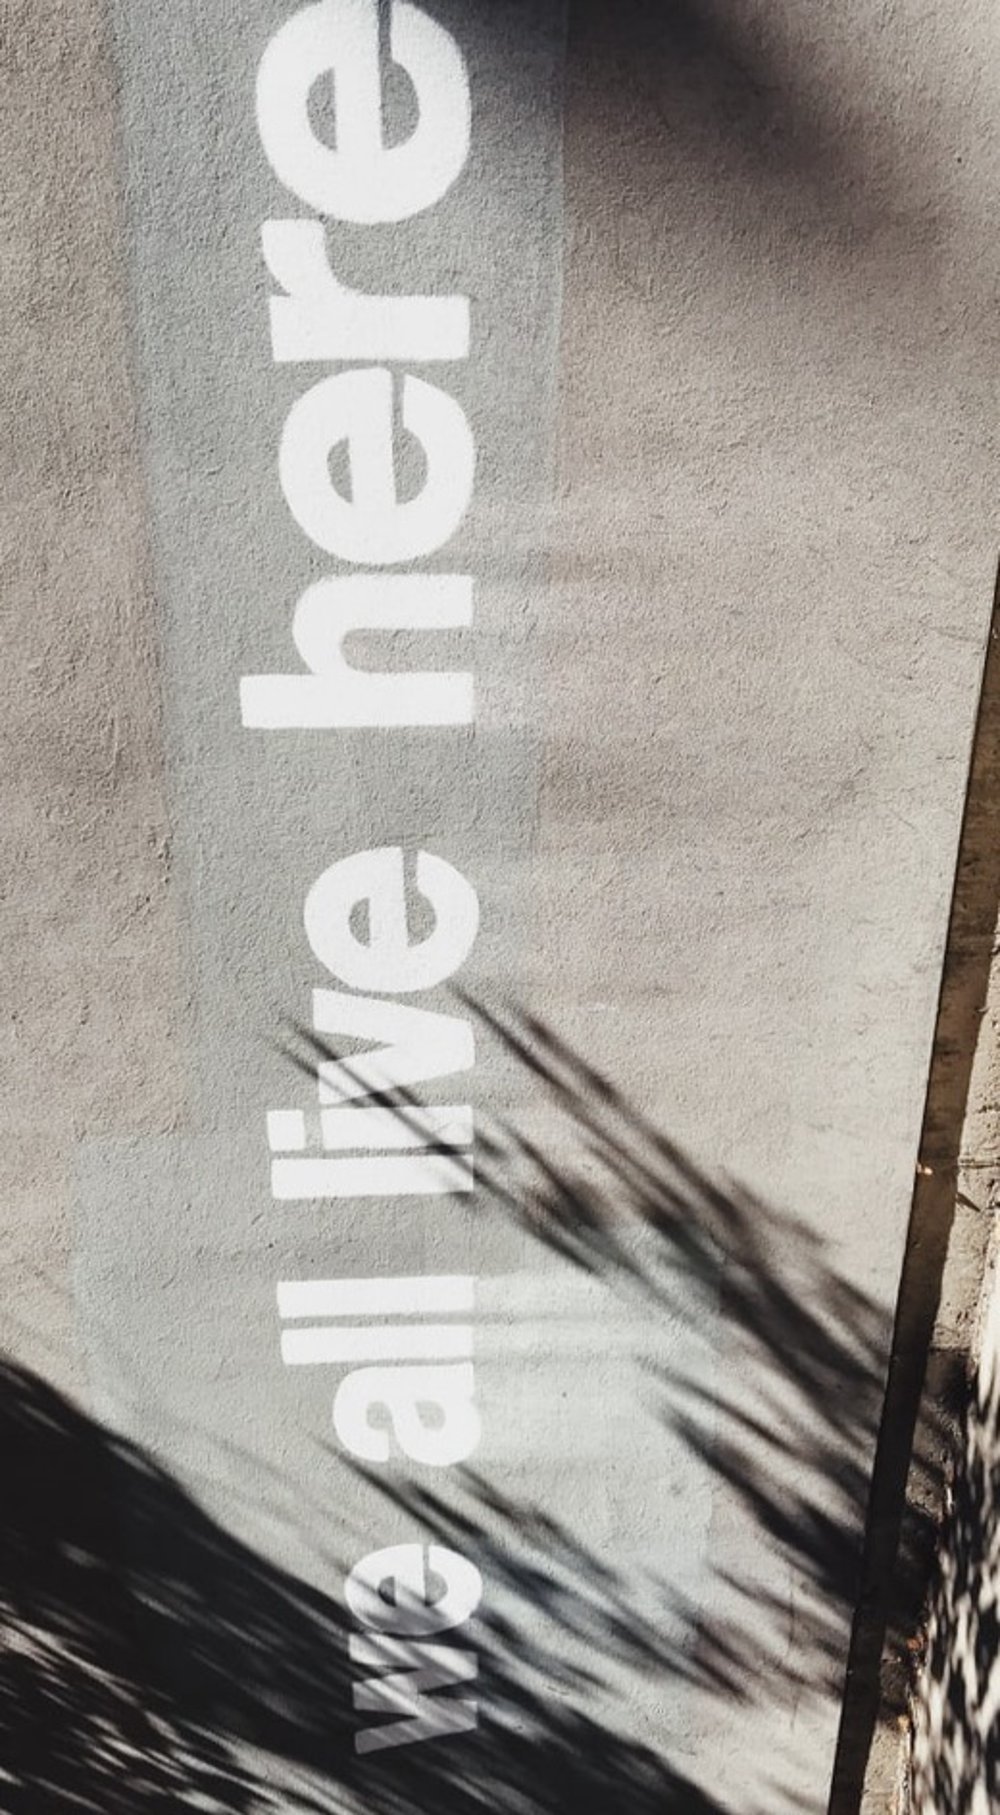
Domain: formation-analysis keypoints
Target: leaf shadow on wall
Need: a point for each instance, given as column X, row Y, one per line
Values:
column 152, row 1661
column 956, row 1747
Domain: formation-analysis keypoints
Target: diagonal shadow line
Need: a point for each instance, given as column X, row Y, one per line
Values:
column 231, row 1651
column 806, row 1312
column 891, row 1556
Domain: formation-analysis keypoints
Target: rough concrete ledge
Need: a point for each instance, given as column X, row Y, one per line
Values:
column 940, row 1318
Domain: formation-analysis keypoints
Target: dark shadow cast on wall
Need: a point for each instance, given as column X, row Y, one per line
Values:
column 956, row 1752
column 151, row 1661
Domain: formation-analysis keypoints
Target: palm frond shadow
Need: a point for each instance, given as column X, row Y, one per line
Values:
column 956, row 1750
column 152, row 1661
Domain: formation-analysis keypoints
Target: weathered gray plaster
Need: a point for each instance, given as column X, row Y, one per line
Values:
column 772, row 579
column 727, row 658
column 87, row 978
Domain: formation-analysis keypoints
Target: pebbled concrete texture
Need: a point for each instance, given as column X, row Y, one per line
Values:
column 951, row 1759
column 734, row 283
column 948, row 1746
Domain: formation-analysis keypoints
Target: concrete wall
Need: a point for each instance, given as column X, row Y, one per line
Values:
column 91, row 989
column 729, row 380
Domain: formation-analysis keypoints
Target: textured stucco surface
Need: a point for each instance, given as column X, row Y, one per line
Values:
column 733, row 380
column 89, row 987
column 774, row 557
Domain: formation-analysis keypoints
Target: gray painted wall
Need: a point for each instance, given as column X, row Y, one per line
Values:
column 730, row 381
